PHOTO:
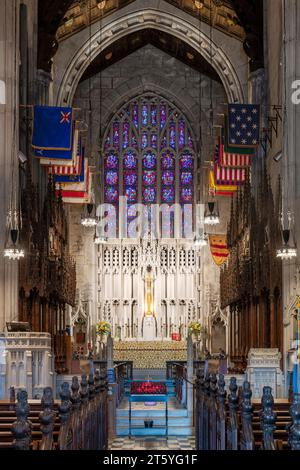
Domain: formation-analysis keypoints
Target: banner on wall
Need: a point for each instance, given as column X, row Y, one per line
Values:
column 219, row 249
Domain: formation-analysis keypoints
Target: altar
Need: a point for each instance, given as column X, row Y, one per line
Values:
column 150, row 354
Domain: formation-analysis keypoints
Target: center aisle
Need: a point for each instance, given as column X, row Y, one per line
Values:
column 180, row 428
column 152, row 443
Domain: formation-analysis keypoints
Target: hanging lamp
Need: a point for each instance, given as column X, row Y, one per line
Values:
column 12, row 250
column 89, row 219
column 211, row 216
column 286, row 252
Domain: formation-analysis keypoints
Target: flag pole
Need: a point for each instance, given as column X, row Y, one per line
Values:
column 31, row 106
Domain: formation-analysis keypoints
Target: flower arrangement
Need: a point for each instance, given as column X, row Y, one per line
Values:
column 102, row 328
column 195, row 328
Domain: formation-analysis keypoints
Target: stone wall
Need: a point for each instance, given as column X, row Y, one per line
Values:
column 148, row 69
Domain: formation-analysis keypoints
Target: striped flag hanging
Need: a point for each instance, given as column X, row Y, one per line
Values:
column 75, row 170
column 220, row 190
column 229, row 176
column 66, row 171
column 233, row 160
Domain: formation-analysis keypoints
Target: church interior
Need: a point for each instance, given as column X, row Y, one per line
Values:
column 149, row 260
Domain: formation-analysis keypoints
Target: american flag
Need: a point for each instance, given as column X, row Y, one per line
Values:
column 233, row 160
column 74, row 170
column 219, row 190
column 243, row 125
column 230, row 176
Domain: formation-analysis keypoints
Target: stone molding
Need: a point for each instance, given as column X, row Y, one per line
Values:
column 148, row 18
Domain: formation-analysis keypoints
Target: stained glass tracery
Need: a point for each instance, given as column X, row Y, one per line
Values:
column 148, row 156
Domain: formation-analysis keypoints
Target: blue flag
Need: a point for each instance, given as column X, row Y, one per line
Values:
column 59, row 154
column 52, row 128
column 72, row 178
column 243, row 125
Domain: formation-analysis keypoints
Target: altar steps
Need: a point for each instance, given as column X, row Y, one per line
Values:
column 179, row 423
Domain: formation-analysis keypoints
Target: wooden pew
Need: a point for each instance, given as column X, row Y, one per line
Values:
column 77, row 421
column 237, row 422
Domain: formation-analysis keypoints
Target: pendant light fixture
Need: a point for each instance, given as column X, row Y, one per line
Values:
column 211, row 216
column 12, row 250
column 89, row 219
column 286, row 252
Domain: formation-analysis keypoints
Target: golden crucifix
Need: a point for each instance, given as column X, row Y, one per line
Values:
column 149, row 294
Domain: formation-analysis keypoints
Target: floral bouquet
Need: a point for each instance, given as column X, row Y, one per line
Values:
column 102, row 328
column 195, row 328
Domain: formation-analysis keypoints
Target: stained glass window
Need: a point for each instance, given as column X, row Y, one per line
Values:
column 148, row 156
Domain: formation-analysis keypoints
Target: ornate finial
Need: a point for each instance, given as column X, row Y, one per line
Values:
column 91, row 388
column 47, row 419
column 21, row 428
column 207, row 385
column 84, row 394
column 75, row 397
column 294, row 429
column 97, row 381
column 268, row 419
column 213, row 385
column 103, row 380
column 65, row 406
column 247, row 439
column 221, row 390
column 233, row 398
column 246, row 398
column 65, row 439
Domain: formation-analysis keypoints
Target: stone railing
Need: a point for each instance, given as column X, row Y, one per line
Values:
column 26, row 362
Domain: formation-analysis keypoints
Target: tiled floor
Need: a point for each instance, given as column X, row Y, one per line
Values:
column 152, row 443
column 172, row 405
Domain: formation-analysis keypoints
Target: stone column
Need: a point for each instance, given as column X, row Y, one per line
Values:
column 290, row 162
column 9, row 111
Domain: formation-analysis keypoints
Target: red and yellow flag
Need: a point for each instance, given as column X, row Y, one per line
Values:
column 218, row 248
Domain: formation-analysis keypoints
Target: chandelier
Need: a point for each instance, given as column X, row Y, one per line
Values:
column 89, row 220
column 286, row 252
column 211, row 216
column 12, row 251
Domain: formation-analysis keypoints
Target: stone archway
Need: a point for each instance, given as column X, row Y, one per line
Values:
column 118, row 27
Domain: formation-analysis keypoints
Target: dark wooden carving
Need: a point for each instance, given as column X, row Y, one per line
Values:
column 294, row 429
column 251, row 281
column 21, row 428
column 65, row 440
column 47, row 274
column 268, row 419
column 47, row 419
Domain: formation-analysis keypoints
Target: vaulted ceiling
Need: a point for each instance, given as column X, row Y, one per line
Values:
column 59, row 19
column 171, row 45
